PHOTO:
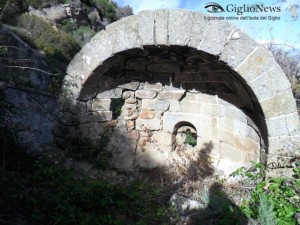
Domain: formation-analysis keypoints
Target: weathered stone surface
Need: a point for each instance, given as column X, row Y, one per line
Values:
column 281, row 104
column 270, row 83
column 130, row 124
column 131, row 101
column 215, row 36
column 151, row 124
column 174, row 106
column 138, row 75
column 283, row 125
column 232, row 113
column 153, row 86
column 241, row 46
column 179, row 28
column 196, row 29
column 124, row 35
column 100, row 104
column 88, row 93
column 130, row 106
column 155, row 104
column 210, row 109
column 161, row 27
column 163, row 138
column 226, row 137
column 132, row 116
column 146, row 114
column 131, row 86
column 135, row 66
column 283, row 143
column 128, row 95
column 164, row 67
column 146, row 27
column 188, row 77
column 207, row 98
column 258, row 62
column 148, row 94
column 231, row 153
column 113, row 93
column 171, row 93
column 190, row 107
column 101, row 116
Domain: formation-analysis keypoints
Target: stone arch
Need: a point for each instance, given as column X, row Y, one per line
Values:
column 226, row 46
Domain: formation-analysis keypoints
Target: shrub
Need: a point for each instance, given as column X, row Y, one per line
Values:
column 83, row 34
column 279, row 194
column 55, row 44
column 108, row 9
column 36, row 191
column 85, row 149
column 59, row 47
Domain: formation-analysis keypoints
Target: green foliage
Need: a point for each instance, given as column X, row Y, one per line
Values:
column 91, row 151
column 191, row 138
column 68, row 26
column 279, row 194
column 57, row 45
column 3, row 52
column 116, row 107
column 42, row 3
column 83, row 34
column 265, row 211
column 253, row 175
column 108, row 9
column 10, row 9
column 36, row 191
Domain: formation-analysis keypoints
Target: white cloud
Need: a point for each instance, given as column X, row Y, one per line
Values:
column 140, row 5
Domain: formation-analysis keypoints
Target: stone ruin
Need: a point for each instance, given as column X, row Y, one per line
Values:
column 153, row 80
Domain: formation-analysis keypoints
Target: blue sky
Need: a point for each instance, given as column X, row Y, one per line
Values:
column 285, row 31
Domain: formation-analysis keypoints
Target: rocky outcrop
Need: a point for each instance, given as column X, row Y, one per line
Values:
column 25, row 80
column 75, row 12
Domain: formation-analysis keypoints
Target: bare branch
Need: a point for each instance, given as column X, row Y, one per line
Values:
column 31, row 68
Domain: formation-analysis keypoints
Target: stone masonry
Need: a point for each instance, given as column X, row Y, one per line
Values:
column 169, row 69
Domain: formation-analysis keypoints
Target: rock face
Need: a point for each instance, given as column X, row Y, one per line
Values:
column 25, row 86
column 74, row 11
column 207, row 76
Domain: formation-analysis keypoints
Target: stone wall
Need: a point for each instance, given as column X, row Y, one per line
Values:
column 212, row 76
column 146, row 97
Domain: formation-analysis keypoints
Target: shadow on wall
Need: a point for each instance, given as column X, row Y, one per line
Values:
column 136, row 99
column 191, row 186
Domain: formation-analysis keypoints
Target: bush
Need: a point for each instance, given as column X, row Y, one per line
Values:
column 91, row 151
column 107, row 9
column 61, row 46
column 83, row 34
column 279, row 194
column 36, row 192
